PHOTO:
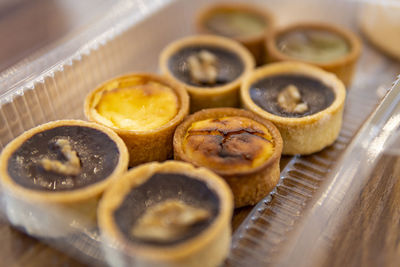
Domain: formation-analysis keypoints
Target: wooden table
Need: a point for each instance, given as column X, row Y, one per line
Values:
column 370, row 235
column 18, row 249
column 21, row 250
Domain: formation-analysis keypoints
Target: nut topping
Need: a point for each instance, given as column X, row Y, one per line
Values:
column 168, row 220
column 71, row 167
column 289, row 99
column 203, row 67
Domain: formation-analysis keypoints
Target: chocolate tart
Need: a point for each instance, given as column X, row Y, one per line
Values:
column 211, row 69
column 304, row 102
column 326, row 46
column 166, row 214
column 244, row 23
column 53, row 175
column 238, row 145
column 143, row 109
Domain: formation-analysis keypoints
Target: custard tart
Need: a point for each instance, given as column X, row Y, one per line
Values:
column 304, row 102
column 143, row 109
column 327, row 46
column 53, row 175
column 211, row 69
column 238, row 145
column 166, row 214
column 244, row 23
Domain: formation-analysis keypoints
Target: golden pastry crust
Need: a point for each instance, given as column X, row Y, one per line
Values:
column 226, row 95
column 308, row 134
column 248, row 185
column 208, row 248
column 254, row 43
column 343, row 67
column 77, row 205
column 148, row 145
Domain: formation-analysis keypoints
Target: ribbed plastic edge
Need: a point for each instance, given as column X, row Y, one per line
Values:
column 124, row 15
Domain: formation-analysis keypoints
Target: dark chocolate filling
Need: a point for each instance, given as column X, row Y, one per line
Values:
column 229, row 65
column 98, row 155
column 316, row 94
column 158, row 188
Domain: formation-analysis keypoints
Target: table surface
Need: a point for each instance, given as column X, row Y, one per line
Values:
column 21, row 250
column 369, row 236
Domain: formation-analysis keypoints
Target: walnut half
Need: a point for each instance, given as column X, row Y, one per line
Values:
column 289, row 99
column 203, row 67
column 71, row 167
column 168, row 220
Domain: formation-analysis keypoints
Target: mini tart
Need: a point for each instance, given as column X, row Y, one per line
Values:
column 380, row 24
column 229, row 63
column 342, row 64
column 121, row 210
column 238, row 145
column 58, row 200
column 233, row 20
column 322, row 92
column 143, row 109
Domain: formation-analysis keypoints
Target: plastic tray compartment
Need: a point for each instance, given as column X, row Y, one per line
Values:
column 129, row 38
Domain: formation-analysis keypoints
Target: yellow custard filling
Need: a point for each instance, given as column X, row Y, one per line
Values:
column 228, row 143
column 137, row 107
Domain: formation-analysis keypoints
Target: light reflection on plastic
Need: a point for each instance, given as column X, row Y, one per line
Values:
column 373, row 149
column 378, row 145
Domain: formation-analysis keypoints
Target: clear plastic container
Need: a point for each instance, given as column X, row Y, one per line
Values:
column 305, row 234
column 297, row 221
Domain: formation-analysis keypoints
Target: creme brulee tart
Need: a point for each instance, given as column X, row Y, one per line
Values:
column 143, row 109
column 166, row 214
column 244, row 23
column 211, row 69
column 238, row 145
column 53, row 175
column 327, row 46
column 304, row 102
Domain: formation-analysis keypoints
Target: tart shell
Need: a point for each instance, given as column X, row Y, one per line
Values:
column 343, row 67
column 209, row 248
column 380, row 25
column 149, row 145
column 254, row 43
column 248, row 186
column 207, row 97
column 52, row 213
column 304, row 135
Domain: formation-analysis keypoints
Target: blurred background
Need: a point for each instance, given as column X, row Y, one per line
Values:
column 28, row 26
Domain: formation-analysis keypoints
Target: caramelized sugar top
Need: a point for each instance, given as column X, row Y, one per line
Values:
column 228, row 142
